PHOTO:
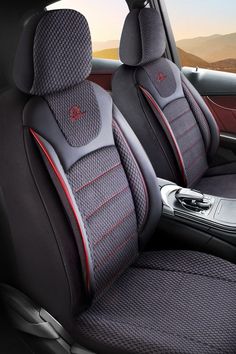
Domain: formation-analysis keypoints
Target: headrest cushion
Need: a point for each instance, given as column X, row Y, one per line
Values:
column 143, row 38
column 54, row 53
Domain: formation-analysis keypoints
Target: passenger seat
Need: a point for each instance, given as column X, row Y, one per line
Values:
column 168, row 115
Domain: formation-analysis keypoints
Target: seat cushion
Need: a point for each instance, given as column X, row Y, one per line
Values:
column 167, row 302
column 219, row 181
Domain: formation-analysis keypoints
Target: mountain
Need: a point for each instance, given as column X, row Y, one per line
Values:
column 225, row 65
column 212, row 48
column 112, row 53
column 97, row 46
column 188, row 59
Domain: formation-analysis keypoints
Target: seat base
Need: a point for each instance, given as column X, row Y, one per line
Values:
column 167, row 302
column 219, row 181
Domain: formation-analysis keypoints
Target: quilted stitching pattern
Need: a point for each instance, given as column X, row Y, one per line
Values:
column 80, row 130
column 189, row 138
column 106, row 205
column 199, row 116
column 171, row 305
column 134, row 177
column 62, row 51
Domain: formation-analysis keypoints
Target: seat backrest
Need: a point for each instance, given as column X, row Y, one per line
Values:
column 168, row 115
column 101, row 203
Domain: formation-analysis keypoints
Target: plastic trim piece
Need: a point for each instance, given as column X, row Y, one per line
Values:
column 211, row 82
column 168, row 209
column 25, row 315
column 228, row 137
column 171, row 49
column 31, row 319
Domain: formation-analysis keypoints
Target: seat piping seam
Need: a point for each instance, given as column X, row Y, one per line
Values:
column 97, row 177
column 114, row 250
column 113, row 227
column 106, row 201
column 179, row 116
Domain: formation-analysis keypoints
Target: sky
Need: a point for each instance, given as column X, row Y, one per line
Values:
column 105, row 17
column 194, row 18
column 189, row 18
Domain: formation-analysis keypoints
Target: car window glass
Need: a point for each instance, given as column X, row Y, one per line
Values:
column 205, row 32
column 105, row 19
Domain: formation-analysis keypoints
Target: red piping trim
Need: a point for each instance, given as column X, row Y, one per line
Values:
column 188, row 130
column 115, row 251
column 105, row 202
column 112, row 228
column 166, row 123
column 99, row 176
column 189, row 148
column 67, row 193
column 179, row 116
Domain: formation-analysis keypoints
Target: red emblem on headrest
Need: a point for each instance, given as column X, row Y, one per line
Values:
column 161, row 77
column 76, row 114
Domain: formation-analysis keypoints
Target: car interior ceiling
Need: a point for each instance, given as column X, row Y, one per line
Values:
column 165, row 281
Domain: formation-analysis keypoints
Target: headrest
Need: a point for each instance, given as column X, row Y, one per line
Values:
column 54, row 52
column 143, row 38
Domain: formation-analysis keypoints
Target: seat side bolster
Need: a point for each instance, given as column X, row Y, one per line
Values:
column 155, row 205
column 214, row 130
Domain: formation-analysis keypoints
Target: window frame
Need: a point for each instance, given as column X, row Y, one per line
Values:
column 171, row 48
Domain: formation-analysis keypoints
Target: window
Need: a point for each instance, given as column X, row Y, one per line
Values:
column 205, row 32
column 105, row 20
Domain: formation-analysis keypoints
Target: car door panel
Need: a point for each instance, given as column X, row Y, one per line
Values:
column 211, row 82
column 219, row 92
column 224, row 110
column 102, row 72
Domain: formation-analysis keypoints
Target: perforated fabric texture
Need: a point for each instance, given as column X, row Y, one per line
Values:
column 169, row 302
column 105, row 202
column 77, row 113
column 62, row 52
column 107, row 184
column 188, row 137
column 223, row 185
column 134, row 175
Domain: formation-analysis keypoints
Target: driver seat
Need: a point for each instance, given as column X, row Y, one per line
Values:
column 82, row 202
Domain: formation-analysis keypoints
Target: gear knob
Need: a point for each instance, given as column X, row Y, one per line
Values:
column 192, row 199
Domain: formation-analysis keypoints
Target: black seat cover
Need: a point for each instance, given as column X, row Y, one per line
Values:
column 82, row 201
column 168, row 115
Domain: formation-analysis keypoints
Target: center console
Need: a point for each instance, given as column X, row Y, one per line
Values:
column 211, row 215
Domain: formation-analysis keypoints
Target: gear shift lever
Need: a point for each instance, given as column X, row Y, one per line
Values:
column 192, row 199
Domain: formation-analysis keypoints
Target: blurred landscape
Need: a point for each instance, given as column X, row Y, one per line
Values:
column 216, row 52
column 106, row 50
column 112, row 53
